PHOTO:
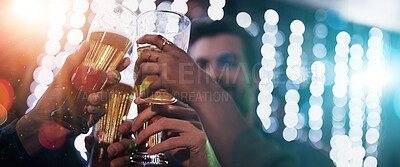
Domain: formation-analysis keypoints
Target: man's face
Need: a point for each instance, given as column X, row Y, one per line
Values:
column 222, row 57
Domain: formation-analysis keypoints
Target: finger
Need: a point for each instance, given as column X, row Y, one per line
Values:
column 197, row 124
column 174, row 125
column 113, row 77
column 147, row 55
column 144, row 116
column 125, row 127
column 182, row 104
column 139, row 101
column 98, row 98
column 121, row 161
column 123, row 64
column 175, row 111
column 156, row 40
column 147, row 69
column 169, row 144
column 95, row 113
column 96, row 110
column 75, row 59
column 119, row 147
column 151, row 89
column 89, row 141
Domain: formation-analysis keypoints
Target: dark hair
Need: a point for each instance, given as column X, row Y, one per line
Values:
column 212, row 28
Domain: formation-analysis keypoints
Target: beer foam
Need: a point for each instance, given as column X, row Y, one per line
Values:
column 126, row 35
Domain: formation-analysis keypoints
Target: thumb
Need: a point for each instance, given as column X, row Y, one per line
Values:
column 75, row 59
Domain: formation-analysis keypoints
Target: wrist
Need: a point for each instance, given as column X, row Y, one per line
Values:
column 27, row 129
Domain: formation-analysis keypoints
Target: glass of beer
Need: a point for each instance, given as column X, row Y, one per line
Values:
column 175, row 27
column 106, row 129
column 110, row 36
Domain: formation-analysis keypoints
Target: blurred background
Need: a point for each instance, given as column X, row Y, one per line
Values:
column 328, row 69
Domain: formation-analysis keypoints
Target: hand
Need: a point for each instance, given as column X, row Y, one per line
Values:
column 185, row 140
column 177, row 71
column 36, row 130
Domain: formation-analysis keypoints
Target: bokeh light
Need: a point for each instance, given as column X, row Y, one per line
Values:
column 75, row 36
column 59, row 6
column 148, row 5
column 271, row 17
column 243, row 19
column 80, row 6
column 3, row 114
column 57, row 19
column 7, row 94
column 179, row 6
column 319, row 50
column 55, row 33
column 52, row 47
column 49, row 62
column 297, row 27
column 31, row 100
column 77, row 20
column 52, row 135
column 370, row 161
column 40, row 89
column 164, row 5
column 218, row 3
column 289, row 134
column 215, row 13
column 134, row 4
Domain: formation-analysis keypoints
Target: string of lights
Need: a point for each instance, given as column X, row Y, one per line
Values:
column 340, row 143
column 294, row 74
column 317, row 85
column 268, row 64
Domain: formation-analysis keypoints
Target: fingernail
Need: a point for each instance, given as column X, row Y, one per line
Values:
column 117, row 76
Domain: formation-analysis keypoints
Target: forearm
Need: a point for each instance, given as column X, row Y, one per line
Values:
column 221, row 120
column 12, row 151
column 27, row 130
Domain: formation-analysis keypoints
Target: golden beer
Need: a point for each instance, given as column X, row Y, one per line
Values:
column 106, row 50
column 106, row 132
column 140, row 156
column 159, row 97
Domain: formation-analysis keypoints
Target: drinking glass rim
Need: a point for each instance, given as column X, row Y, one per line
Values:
column 166, row 11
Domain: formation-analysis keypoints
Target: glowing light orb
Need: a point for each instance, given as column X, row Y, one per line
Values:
column 243, row 19
column 52, row 135
column 6, row 94
column 77, row 20
column 52, row 47
column 3, row 114
column 75, row 36
column 148, row 5
column 297, row 27
column 271, row 17
column 55, row 33
column 370, row 162
column 80, row 6
column 215, row 13
column 179, row 6
column 49, row 62
column 132, row 4
column 289, row 134
column 217, row 3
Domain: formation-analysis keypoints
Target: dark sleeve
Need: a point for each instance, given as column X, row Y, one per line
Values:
column 251, row 149
column 12, row 152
